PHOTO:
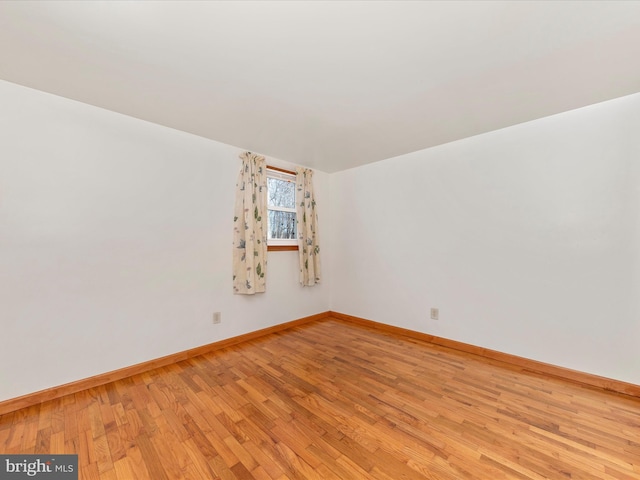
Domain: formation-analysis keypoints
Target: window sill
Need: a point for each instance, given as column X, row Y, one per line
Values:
column 281, row 248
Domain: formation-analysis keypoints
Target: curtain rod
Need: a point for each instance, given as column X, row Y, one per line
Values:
column 269, row 167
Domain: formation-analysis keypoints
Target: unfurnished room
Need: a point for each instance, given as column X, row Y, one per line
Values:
column 281, row 240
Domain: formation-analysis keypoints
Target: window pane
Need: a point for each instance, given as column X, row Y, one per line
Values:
column 282, row 224
column 281, row 193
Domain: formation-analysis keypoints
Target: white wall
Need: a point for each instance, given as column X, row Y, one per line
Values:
column 526, row 239
column 115, row 244
column 115, row 241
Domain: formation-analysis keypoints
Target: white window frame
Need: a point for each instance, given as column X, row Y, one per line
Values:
column 287, row 177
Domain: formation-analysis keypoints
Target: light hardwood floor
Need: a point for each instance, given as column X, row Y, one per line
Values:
column 330, row 400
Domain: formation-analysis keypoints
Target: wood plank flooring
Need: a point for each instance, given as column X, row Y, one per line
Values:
column 330, row 400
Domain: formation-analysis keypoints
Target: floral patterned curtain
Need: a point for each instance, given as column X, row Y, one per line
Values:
column 307, row 223
column 250, row 227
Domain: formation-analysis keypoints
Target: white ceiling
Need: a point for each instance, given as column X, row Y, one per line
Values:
column 331, row 85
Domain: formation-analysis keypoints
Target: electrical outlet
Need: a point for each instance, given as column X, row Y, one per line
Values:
column 435, row 313
column 217, row 317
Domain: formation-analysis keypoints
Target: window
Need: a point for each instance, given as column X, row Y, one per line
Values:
column 281, row 209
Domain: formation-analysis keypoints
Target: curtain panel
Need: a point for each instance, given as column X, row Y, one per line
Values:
column 250, row 227
column 307, row 223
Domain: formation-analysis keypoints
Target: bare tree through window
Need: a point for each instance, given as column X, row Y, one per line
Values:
column 281, row 192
